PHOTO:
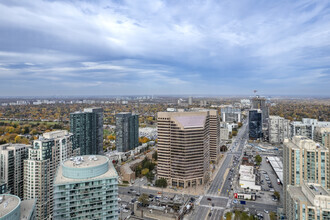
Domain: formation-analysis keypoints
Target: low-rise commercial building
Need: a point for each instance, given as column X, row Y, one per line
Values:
column 86, row 187
column 247, row 178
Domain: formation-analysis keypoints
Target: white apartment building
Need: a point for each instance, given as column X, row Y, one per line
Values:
column 86, row 187
column 44, row 157
column 12, row 158
column 306, row 127
column 278, row 129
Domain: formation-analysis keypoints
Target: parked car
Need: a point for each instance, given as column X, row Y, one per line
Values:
column 209, row 199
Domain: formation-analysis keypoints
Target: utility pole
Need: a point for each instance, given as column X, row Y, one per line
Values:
column 139, row 187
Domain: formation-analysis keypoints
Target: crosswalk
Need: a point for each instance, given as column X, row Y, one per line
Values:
column 216, row 196
column 215, row 207
column 216, row 214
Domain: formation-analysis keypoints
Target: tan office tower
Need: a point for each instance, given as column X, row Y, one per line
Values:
column 12, row 158
column 44, row 157
column 183, row 148
column 304, row 160
column 214, row 135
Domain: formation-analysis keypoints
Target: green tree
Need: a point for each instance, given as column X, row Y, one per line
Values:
column 155, row 155
column 272, row 216
column 145, row 171
column 138, row 170
column 258, row 159
column 277, row 194
column 18, row 139
column 144, row 199
column 229, row 215
column 161, row 183
column 26, row 130
column 150, row 176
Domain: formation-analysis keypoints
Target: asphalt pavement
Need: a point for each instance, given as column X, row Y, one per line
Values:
column 221, row 184
column 216, row 199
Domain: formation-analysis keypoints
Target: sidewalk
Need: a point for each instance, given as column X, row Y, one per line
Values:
column 199, row 190
column 217, row 167
column 196, row 191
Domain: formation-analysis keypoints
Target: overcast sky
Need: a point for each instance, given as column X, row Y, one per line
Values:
column 134, row 47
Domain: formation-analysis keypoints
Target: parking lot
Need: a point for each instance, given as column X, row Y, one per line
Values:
column 269, row 184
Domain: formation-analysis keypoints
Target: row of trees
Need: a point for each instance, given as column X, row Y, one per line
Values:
column 295, row 110
column 240, row 215
column 61, row 112
column 25, row 132
column 145, row 169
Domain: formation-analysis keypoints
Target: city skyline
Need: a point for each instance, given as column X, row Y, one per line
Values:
column 157, row 47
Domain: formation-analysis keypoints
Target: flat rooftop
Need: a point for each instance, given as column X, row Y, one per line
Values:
column 277, row 165
column 27, row 207
column 9, row 203
column 302, row 142
column 85, row 161
column 60, row 179
column 191, row 121
column 318, row 190
column 296, row 193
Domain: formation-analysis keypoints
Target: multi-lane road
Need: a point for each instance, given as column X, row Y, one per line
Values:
column 220, row 186
column 217, row 197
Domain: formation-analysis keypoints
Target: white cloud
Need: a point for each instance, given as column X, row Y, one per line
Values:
column 162, row 42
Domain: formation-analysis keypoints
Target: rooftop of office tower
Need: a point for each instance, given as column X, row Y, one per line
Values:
column 185, row 120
